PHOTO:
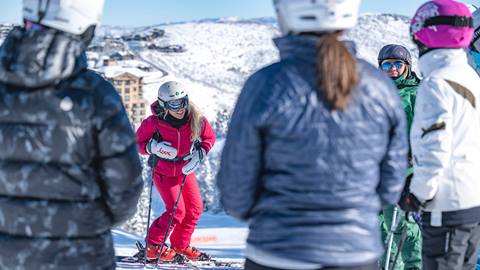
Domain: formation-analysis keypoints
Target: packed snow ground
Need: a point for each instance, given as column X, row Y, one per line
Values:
column 219, row 235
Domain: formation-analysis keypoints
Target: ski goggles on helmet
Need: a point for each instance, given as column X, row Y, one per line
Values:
column 388, row 65
column 176, row 104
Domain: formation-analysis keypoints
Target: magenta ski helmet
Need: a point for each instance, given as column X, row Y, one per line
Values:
column 442, row 24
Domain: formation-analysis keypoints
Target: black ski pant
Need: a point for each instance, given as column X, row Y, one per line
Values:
column 450, row 247
column 250, row 265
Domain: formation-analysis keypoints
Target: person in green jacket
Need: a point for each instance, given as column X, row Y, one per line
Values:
column 396, row 61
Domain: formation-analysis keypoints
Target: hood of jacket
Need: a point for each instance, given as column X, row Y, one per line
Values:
column 36, row 59
column 155, row 108
column 441, row 58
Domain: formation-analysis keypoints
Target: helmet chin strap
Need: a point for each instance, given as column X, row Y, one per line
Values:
column 42, row 12
column 88, row 35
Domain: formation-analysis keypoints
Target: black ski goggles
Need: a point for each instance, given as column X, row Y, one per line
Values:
column 176, row 104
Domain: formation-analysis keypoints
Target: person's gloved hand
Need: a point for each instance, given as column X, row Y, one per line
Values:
column 408, row 202
column 197, row 156
column 161, row 149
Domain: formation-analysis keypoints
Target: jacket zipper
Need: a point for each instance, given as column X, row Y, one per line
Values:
column 178, row 136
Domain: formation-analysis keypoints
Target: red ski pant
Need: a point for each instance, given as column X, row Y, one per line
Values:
column 187, row 214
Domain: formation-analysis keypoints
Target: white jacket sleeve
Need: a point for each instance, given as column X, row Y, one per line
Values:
column 431, row 137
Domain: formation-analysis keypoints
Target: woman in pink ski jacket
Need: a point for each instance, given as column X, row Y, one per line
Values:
column 180, row 137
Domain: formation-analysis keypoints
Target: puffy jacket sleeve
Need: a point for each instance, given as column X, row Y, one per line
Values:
column 118, row 162
column 431, row 137
column 207, row 136
column 144, row 134
column 393, row 167
column 240, row 169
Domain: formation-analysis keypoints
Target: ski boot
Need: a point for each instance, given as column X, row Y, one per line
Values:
column 193, row 253
column 168, row 254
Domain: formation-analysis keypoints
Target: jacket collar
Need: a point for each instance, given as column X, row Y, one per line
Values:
column 440, row 58
column 303, row 47
column 411, row 80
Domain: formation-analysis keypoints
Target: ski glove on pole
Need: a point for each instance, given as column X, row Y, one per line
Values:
column 197, row 156
column 161, row 149
column 408, row 202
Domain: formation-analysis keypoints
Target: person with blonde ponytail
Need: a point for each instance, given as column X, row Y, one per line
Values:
column 180, row 136
column 316, row 147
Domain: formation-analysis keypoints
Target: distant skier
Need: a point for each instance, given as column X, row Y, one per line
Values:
column 396, row 61
column 316, row 147
column 474, row 55
column 445, row 138
column 69, row 164
column 185, row 139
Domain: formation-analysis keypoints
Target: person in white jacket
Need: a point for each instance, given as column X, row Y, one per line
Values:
column 445, row 138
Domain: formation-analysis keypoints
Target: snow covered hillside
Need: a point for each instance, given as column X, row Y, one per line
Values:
column 215, row 57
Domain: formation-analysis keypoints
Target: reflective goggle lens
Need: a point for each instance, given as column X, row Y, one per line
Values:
column 389, row 65
column 176, row 104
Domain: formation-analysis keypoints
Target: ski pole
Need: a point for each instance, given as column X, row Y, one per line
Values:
column 393, row 228
column 152, row 162
column 400, row 245
column 149, row 206
column 171, row 218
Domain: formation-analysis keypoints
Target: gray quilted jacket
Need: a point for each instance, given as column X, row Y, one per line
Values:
column 69, row 166
column 309, row 181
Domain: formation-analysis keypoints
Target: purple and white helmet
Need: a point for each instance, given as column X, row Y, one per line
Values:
column 442, row 24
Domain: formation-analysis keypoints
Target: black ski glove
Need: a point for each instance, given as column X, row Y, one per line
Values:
column 408, row 202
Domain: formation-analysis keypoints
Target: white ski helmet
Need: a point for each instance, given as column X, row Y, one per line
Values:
column 172, row 95
column 296, row 16
column 71, row 16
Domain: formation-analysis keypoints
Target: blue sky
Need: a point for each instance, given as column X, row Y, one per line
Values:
column 150, row 12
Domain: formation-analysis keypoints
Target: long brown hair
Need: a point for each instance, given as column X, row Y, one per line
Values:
column 196, row 122
column 336, row 71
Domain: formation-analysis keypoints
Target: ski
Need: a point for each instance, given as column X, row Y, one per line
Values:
column 186, row 264
column 180, row 262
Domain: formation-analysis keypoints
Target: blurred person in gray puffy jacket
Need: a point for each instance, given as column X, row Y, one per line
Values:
column 316, row 147
column 69, row 165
